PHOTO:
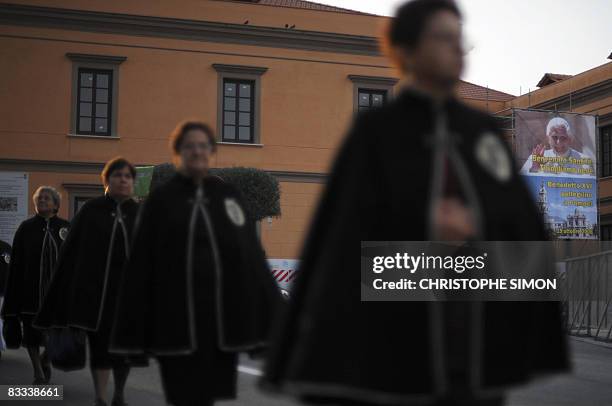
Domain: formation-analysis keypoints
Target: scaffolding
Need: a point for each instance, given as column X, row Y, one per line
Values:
column 587, row 300
column 587, row 265
column 506, row 122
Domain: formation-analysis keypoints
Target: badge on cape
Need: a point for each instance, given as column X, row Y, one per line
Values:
column 492, row 156
column 7, row 258
column 63, row 232
column 234, row 212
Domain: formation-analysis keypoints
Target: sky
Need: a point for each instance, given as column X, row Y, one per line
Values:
column 516, row 42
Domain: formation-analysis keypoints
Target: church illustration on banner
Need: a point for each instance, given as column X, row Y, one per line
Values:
column 577, row 221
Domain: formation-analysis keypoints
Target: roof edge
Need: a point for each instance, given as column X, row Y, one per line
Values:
column 339, row 10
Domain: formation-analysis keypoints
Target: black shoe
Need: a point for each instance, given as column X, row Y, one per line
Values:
column 99, row 402
column 39, row 381
column 46, row 368
column 118, row 402
column 47, row 372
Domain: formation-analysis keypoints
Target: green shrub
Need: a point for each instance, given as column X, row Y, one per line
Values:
column 259, row 189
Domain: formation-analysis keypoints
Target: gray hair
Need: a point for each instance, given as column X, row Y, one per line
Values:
column 559, row 122
column 55, row 195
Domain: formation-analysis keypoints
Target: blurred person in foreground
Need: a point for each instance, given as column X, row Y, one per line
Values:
column 425, row 167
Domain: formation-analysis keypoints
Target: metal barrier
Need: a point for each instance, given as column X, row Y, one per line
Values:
column 588, row 295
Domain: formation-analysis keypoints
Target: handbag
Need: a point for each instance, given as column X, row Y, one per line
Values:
column 66, row 348
column 11, row 331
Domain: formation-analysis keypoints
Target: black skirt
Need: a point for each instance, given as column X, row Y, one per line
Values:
column 208, row 373
column 99, row 340
column 32, row 337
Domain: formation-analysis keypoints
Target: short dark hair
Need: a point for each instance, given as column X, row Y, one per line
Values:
column 411, row 18
column 178, row 135
column 116, row 164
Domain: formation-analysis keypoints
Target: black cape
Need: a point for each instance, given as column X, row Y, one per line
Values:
column 5, row 260
column 156, row 314
column 89, row 267
column 331, row 345
column 35, row 249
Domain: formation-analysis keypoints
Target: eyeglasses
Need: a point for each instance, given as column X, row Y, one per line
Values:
column 193, row 146
column 447, row 38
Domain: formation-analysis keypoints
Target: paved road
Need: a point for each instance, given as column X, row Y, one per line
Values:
column 589, row 384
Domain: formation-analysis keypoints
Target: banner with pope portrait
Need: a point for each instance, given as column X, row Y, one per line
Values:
column 556, row 153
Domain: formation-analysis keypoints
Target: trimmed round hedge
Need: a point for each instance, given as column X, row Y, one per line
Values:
column 259, row 189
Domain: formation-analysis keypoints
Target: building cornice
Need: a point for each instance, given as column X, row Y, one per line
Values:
column 604, row 119
column 31, row 165
column 241, row 69
column 576, row 98
column 374, row 80
column 192, row 30
column 34, row 165
column 300, row 177
column 91, row 58
column 83, row 186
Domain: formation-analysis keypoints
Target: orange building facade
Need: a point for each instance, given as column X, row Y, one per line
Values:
column 279, row 80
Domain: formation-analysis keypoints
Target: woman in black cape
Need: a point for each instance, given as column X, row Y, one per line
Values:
column 35, row 249
column 197, row 288
column 83, row 292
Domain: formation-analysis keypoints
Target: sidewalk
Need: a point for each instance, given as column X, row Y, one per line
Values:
column 591, row 340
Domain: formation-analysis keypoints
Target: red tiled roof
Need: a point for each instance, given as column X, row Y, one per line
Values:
column 472, row 91
column 550, row 78
column 303, row 4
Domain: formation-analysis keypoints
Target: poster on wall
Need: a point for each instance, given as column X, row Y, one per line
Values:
column 556, row 154
column 13, row 203
column 142, row 184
